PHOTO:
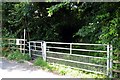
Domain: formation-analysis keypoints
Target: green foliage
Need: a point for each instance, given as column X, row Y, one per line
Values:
column 73, row 72
column 40, row 62
column 16, row 55
column 64, row 21
column 5, row 53
column 84, row 22
column 55, row 8
column 116, row 67
column 64, row 70
column 26, row 57
column 6, row 33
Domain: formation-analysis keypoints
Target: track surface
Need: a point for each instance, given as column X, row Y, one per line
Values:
column 12, row 69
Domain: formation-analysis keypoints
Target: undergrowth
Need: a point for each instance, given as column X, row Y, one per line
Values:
column 17, row 55
column 53, row 67
column 73, row 72
column 65, row 70
column 39, row 62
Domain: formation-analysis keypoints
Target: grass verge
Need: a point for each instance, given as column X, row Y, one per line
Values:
column 16, row 55
column 52, row 67
column 65, row 70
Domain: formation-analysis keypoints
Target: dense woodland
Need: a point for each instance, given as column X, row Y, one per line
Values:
column 89, row 22
column 65, row 22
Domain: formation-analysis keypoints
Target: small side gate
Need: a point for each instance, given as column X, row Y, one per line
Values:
column 37, row 48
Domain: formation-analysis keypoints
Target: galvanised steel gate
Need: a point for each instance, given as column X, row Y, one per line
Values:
column 74, row 53
column 37, row 48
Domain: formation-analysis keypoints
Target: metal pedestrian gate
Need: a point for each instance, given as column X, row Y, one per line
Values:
column 73, row 53
column 37, row 48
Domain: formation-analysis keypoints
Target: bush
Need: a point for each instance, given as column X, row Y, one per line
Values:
column 26, row 57
column 4, row 53
column 40, row 62
column 62, row 72
column 16, row 55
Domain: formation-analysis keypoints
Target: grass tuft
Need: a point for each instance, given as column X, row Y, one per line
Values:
column 16, row 55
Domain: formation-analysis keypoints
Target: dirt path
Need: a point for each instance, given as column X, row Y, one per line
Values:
column 12, row 69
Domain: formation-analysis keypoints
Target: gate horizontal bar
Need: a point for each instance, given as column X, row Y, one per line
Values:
column 59, row 48
column 35, row 42
column 34, row 46
column 75, row 55
column 89, row 50
column 83, row 69
column 76, row 43
column 77, row 49
column 36, row 50
column 76, row 62
column 37, row 55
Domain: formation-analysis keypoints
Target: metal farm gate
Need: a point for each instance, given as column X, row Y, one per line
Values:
column 75, row 55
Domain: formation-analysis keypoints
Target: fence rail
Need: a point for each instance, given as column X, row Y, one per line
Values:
column 76, row 62
column 75, row 55
column 77, row 43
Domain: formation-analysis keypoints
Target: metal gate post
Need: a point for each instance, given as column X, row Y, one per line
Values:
column 44, row 50
column 111, row 56
column 108, row 57
column 21, row 48
column 29, row 50
column 71, row 48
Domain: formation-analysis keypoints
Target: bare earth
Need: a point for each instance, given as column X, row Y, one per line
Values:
column 12, row 69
